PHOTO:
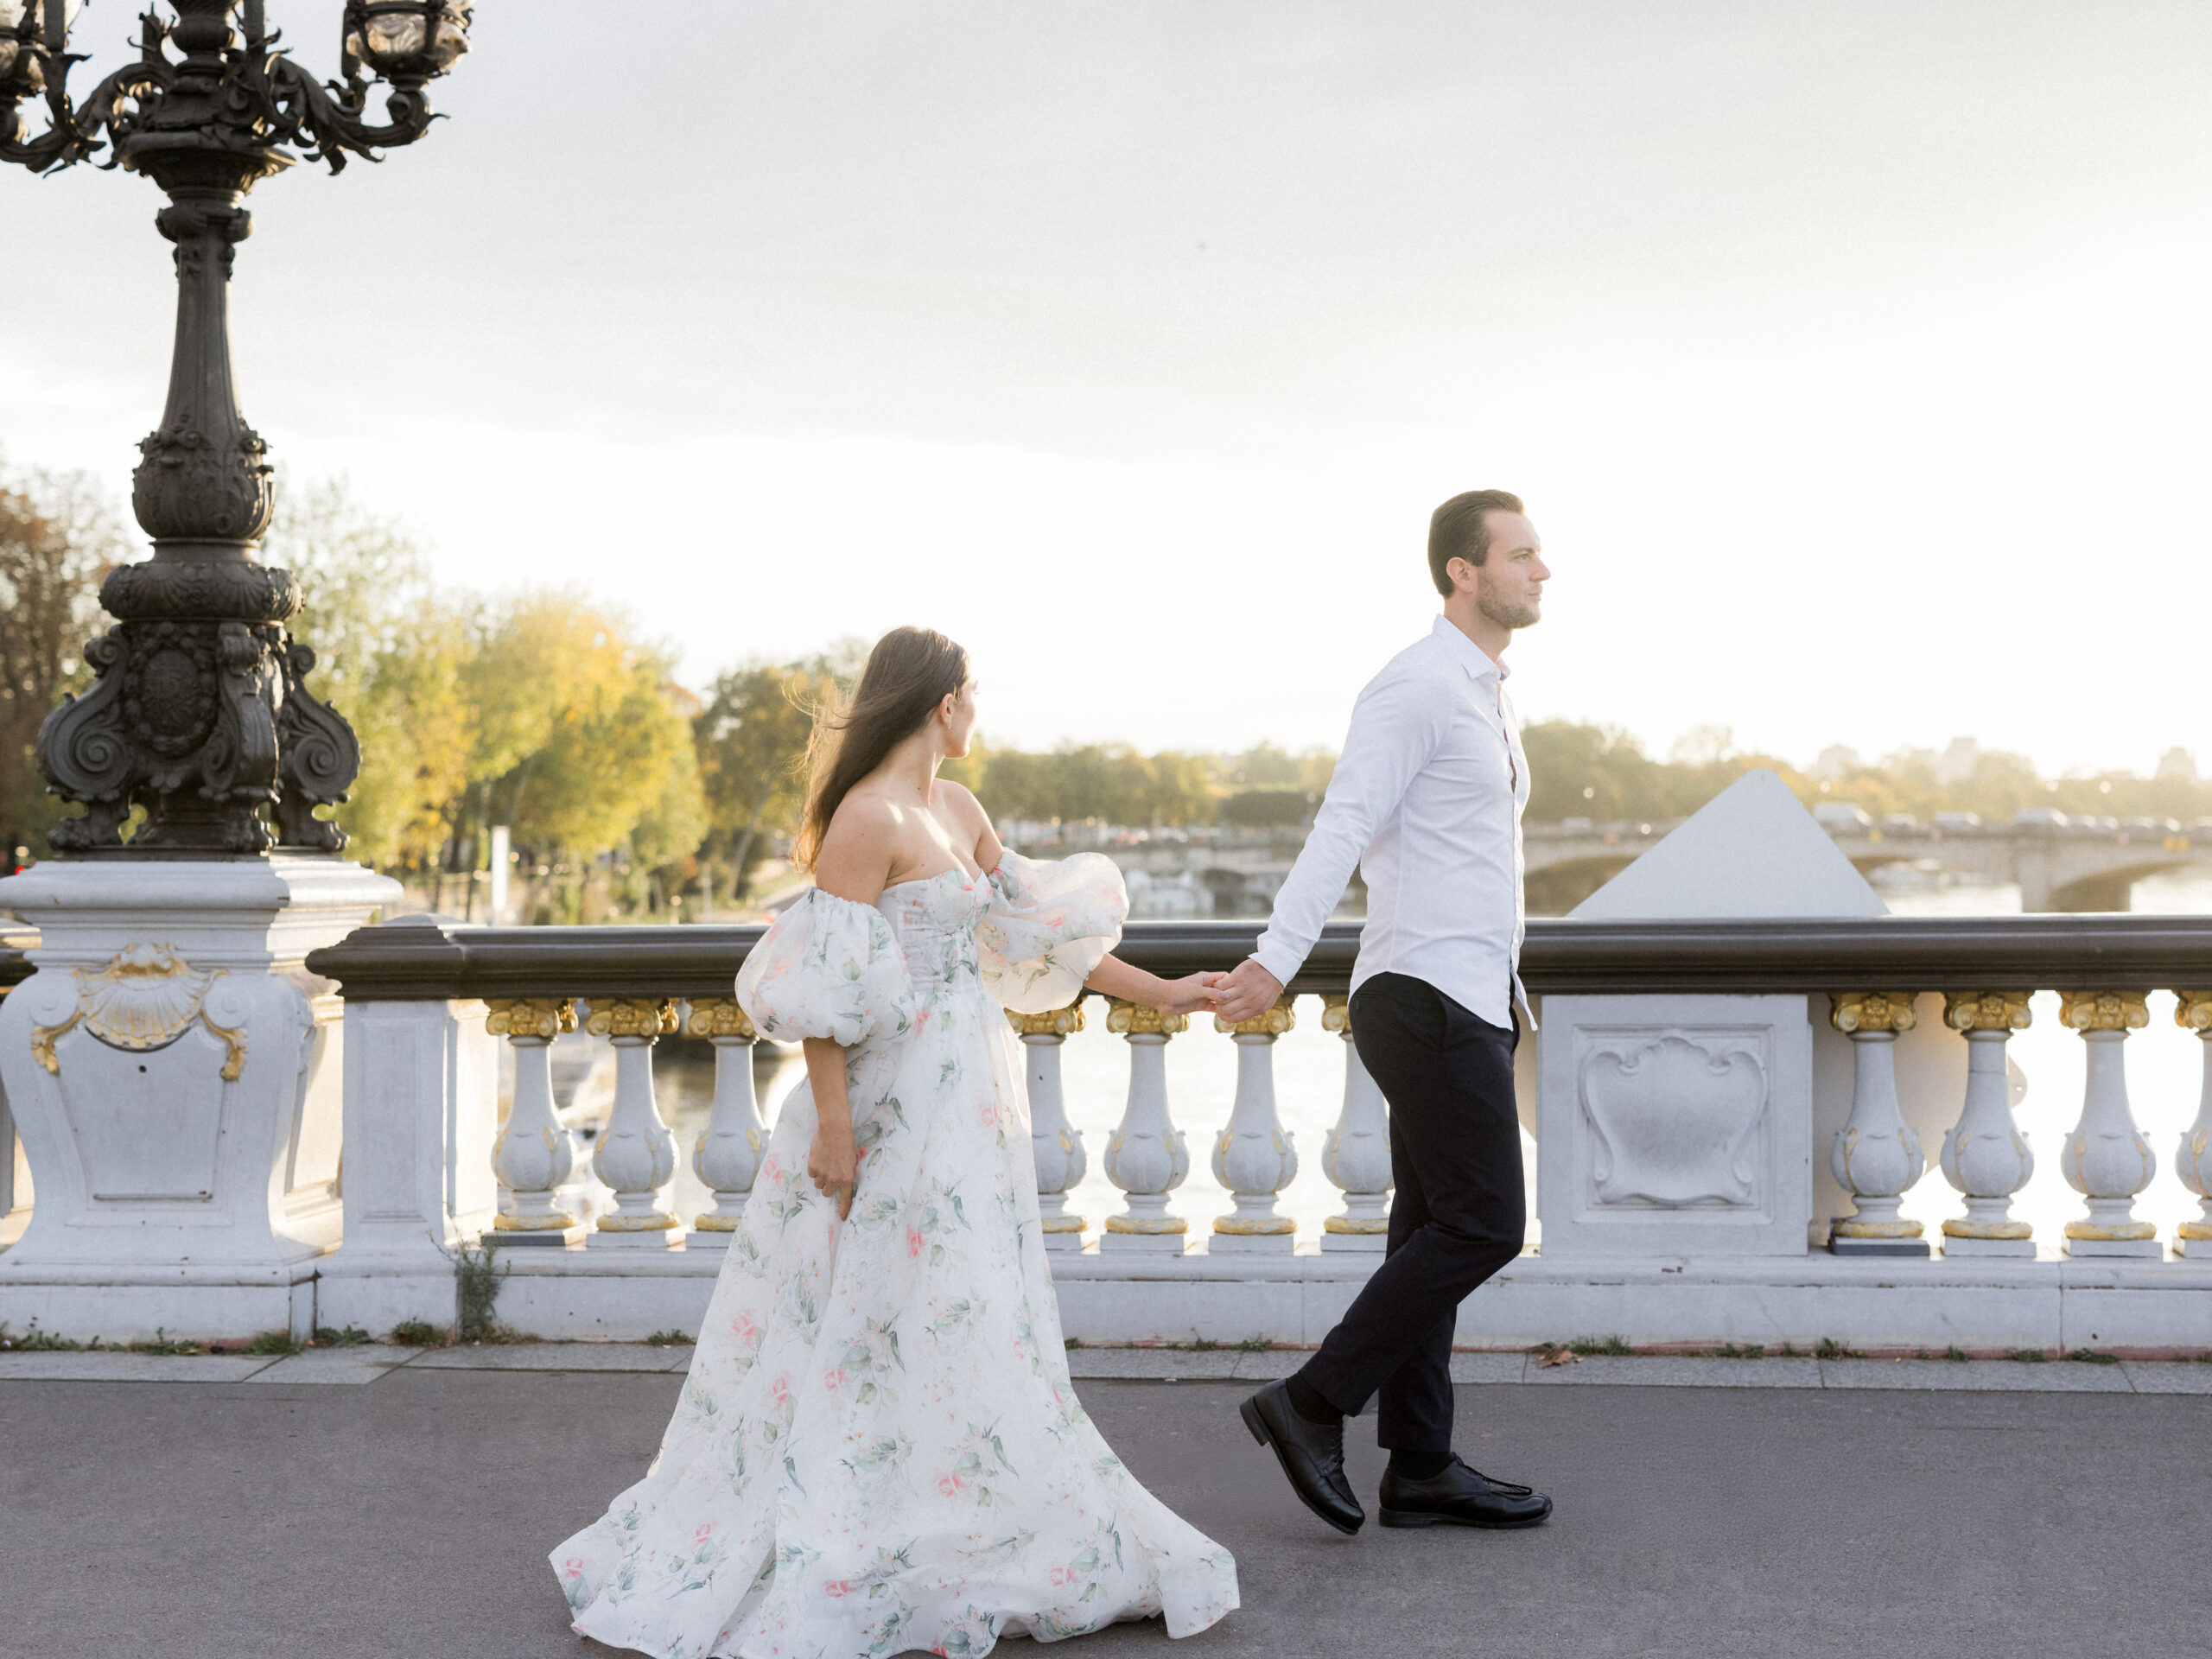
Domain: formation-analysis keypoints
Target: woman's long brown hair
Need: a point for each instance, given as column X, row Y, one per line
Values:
column 908, row 674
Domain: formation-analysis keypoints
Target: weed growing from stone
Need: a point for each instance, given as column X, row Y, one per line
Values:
column 668, row 1339
column 476, row 1279
column 1955, row 1352
column 2028, row 1356
column 1074, row 1343
column 1254, row 1345
column 2091, row 1357
column 1830, row 1348
column 162, row 1344
column 1749, row 1350
column 352, row 1336
column 420, row 1333
column 35, row 1341
column 1616, row 1346
column 272, row 1341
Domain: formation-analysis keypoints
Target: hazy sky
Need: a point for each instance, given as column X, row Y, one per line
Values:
column 1853, row 359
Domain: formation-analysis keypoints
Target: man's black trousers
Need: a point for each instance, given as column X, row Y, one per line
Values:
column 1457, row 1215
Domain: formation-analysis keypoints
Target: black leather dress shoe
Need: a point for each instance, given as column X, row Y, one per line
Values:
column 1460, row 1497
column 1313, row 1455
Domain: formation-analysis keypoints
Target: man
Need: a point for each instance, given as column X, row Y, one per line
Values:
column 1426, row 800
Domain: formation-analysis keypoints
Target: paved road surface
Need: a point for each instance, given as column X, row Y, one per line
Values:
column 410, row 1518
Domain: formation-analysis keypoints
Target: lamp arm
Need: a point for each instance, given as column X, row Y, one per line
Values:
column 72, row 134
column 327, row 120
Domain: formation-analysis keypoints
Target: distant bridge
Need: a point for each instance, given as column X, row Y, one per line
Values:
column 2078, row 865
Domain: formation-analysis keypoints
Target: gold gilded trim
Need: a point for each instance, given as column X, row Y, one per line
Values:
column 632, row 1016
column 2103, row 1011
column 146, row 998
column 1853, row 1011
column 719, row 1016
column 1053, row 1022
column 1132, row 1020
column 1146, row 1224
column 1955, row 1227
column 1271, row 1022
column 2193, row 1010
column 1986, row 1011
column 1360, row 1226
column 1243, row 1227
column 544, row 1017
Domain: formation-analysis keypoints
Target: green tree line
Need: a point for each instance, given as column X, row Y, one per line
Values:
column 625, row 793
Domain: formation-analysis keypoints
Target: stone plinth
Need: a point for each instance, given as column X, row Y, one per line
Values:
column 174, row 1073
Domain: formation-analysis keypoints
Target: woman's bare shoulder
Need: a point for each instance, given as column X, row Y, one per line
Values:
column 858, row 847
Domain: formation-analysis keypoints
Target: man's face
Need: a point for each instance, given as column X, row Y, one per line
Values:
column 1509, row 584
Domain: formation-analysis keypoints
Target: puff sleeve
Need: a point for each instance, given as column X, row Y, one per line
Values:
column 1049, row 924
column 829, row 968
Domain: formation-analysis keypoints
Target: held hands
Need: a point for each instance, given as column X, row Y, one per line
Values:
column 833, row 1163
column 1193, row 994
column 1246, row 993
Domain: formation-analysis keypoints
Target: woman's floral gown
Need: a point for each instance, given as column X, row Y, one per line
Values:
column 877, row 1449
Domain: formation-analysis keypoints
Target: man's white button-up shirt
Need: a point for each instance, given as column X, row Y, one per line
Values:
column 1427, row 801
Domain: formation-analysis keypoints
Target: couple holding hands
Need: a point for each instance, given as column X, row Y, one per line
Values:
column 877, row 1449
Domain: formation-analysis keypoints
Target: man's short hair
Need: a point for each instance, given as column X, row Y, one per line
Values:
column 1460, row 529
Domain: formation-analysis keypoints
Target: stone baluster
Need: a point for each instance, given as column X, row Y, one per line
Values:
column 1145, row 1155
column 2106, row 1158
column 1056, row 1144
column 1254, row 1157
column 727, row 1155
column 636, row 1154
column 1877, row 1156
column 2193, row 1158
column 532, row 1156
column 1357, row 1156
column 1985, row 1156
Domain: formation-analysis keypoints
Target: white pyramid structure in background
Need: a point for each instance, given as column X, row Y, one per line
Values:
column 1751, row 850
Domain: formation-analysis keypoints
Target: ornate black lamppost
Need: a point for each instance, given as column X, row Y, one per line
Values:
column 199, row 713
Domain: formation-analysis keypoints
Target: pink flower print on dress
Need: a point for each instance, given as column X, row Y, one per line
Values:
column 1059, row 1576
column 780, row 1392
column 706, row 1530
column 913, row 1241
column 990, row 1113
column 951, row 1486
column 744, row 1330
column 834, row 1378
column 837, row 1589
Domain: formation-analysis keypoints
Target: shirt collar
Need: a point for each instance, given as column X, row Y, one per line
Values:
column 1478, row 663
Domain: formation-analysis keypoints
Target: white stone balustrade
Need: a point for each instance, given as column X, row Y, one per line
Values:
column 1145, row 1156
column 2193, row 1157
column 2108, row 1159
column 636, row 1154
column 1055, row 1144
column 532, row 1156
column 728, row 1154
column 1254, row 1157
column 1877, row 1156
column 1357, row 1156
column 1985, row 1156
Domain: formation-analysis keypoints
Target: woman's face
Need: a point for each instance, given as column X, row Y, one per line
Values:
column 958, row 714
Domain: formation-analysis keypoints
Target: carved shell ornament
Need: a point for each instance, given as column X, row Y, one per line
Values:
column 144, row 999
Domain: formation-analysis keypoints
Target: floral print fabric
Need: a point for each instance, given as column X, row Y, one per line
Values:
column 1048, row 927
column 877, row 1449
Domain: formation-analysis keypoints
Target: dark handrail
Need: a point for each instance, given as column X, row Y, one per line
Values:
column 412, row 959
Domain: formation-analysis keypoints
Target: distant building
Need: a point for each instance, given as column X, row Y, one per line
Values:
column 1958, row 762
column 2178, row 764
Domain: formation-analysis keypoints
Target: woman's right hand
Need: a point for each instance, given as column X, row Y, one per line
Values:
column 833, row 1163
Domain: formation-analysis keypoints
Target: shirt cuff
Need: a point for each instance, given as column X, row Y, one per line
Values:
column 1278, row 960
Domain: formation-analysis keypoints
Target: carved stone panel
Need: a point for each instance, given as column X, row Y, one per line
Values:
column 1675, row 1124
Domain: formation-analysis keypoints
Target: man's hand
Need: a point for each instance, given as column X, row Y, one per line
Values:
column 1248, row 992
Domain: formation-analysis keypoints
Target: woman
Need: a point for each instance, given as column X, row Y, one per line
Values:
column 878, row 1449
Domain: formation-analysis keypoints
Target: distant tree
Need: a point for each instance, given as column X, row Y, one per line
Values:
column 751, row 740
column 391, row 653
column 58, row 537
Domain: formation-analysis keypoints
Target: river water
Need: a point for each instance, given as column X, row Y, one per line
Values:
column 2165, row 1077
